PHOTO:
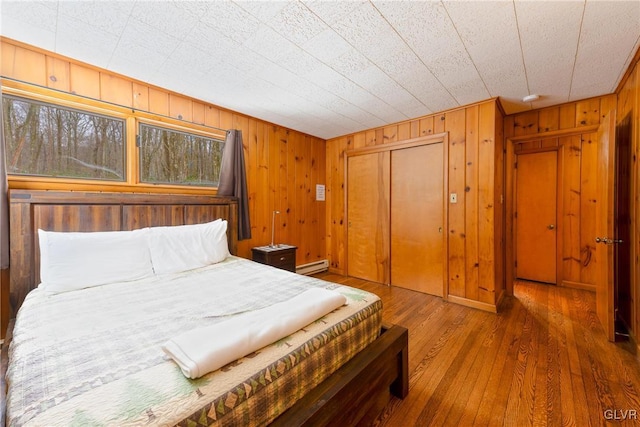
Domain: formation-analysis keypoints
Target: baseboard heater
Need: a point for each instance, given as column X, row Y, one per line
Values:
column 313, row 267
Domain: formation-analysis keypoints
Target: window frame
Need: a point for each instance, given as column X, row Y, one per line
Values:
column 132, row 118
column 179, row 129
column 119, row 119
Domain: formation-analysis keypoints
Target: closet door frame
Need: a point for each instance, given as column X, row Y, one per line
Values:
column 442, row 138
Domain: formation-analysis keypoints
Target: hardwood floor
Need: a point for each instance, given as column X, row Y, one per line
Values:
column 543, row 360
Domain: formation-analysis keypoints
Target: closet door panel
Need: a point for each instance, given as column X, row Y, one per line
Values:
column 417, row 218
column 368, row 216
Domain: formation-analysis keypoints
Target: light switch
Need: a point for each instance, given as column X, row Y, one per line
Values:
column 453, row 198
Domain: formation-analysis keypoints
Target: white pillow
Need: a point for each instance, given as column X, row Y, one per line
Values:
column 70, row 261
column 185, row 247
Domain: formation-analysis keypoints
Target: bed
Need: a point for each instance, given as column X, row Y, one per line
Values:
column 93, row 356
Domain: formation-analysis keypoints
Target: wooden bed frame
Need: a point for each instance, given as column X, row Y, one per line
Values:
column 355, row 394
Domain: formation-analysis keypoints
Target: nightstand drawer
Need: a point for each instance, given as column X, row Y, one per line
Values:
column 283, row 257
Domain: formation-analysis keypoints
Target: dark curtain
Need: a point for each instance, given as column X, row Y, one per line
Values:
column 233, row 180
column 4, row 199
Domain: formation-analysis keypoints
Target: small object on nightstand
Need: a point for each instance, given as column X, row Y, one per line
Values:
column 281, row 256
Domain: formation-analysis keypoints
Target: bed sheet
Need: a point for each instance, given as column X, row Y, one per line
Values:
column 93, row 357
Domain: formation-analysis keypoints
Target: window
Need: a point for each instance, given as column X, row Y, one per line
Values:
column 49, row 140
column 173, row 157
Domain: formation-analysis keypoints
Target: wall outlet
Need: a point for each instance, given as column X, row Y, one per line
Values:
column 453, row 197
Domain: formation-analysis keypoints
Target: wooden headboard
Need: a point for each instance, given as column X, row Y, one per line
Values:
column 95, row 211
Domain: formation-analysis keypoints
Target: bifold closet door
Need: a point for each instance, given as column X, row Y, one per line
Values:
column 417, row 218
column 368, row 216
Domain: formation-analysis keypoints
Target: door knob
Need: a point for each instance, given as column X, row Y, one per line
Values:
column 551, row 226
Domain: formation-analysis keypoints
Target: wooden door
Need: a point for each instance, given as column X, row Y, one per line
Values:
column 536, row 216
column 623, row 296
column 368, row 226
column 417, row 218
column 604, row 226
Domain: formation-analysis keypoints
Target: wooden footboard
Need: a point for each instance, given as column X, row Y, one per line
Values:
column 358, row 391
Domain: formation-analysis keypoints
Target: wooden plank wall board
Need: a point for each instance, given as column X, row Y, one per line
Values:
column 335, row 194
column 476, row 174
column 588, row 199
column 628, row 102
column 455, row 124
column 283, row 165
column 572, row 254
column 472, row 264
column 490, row 204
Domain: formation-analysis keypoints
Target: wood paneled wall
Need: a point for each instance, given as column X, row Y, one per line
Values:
column 283, row 165
column 629, row 103
column 571, row 127
column 476, row 174
column 567, row 116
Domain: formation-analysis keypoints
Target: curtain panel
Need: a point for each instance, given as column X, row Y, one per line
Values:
column 4, row 199
column 233, row 180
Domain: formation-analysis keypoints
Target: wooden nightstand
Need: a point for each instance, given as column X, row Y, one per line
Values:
column 282, row 256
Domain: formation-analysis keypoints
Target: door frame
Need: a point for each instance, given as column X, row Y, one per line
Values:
column 400, row 145
column 605, row 218
column 559, row 205
column 510, row 161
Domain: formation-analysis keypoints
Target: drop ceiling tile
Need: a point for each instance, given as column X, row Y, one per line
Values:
column 134, row 60
column 109, row 16
column 194, row 8
column 604, row 31
column 166, row 16
column 354, row 112
column 345, row 122
column 368, row 32
column 209, row 39
column 188, row 61
column 231, row 20
column 35, row 24
column 277, row 76
column 380, row 85
column 326, row 45
column 549, row 32
column 346, row 89
column 39, row 13
column 469, row 91
column 299, row 62
column 153, row 39
column 263, row 10
column 325, row 77
column 429, row 32
column 305, row 89
column 269, row 43
column 332, row 11
column 350, row 63
column 95, row 46
column 297, row 23
column 490, row 35
column 410, row 73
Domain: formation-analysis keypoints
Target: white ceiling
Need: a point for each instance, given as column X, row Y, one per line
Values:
column 329, row 68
